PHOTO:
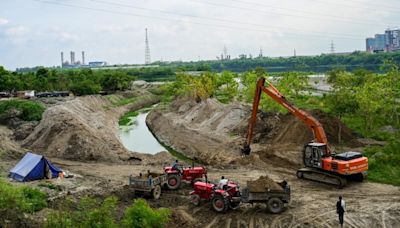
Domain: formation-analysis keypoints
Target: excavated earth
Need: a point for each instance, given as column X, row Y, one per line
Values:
column 214, row 133
column 80, row 135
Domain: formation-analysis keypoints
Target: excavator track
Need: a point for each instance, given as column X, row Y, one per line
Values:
column 321, row 176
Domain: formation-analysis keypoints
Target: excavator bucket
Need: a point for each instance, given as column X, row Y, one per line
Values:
column 246, row 150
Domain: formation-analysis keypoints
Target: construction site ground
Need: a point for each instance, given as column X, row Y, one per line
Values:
column 100, row 173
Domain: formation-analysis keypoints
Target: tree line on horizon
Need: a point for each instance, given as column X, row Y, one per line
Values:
column 319, row 64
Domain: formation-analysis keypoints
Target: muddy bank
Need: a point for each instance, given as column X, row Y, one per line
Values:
column 199, row 130
column 84, row 128
column 215, row 132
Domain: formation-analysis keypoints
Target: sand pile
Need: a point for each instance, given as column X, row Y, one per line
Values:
column 9, row 149
column 84, row 128
column 201, row 130
column 263, row 184
column 291, row 130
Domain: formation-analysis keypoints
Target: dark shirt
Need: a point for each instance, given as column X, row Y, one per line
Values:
column 339, row 208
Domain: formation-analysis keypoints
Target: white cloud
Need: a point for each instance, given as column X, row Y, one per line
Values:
column 16, row 31
column 59, row 34
column 67, row 37
column 3, row 21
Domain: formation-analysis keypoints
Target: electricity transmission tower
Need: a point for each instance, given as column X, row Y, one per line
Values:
column 332, row 47
column 147, row 59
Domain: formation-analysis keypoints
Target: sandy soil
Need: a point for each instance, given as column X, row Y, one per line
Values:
column 276, row 153
column 312, row 205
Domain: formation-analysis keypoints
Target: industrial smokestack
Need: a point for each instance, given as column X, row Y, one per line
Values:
column 62, row 59
column 83, row 58
column 72, row 58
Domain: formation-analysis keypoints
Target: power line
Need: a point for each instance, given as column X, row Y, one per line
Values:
column 384, row 7
column 307, row 33
column 374, row 4
column 390, row 9
column 333, row 17
column 208, row 18
column 218, row 19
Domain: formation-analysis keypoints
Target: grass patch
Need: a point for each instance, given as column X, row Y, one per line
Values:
column 125, row 101
column 92, row 212
column 126, row 120
column 117, row 101
column 384, row 163
column 14, row 201
column 26, row 110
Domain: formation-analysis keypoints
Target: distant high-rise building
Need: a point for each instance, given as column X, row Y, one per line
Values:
column 390, row 41
column 380, row 42
column 72, row 58
column 62, row 59
column 370, row 44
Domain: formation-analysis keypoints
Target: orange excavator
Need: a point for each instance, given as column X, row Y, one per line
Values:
column 321, row 164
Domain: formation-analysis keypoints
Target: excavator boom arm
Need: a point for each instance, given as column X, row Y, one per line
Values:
column 270, row 90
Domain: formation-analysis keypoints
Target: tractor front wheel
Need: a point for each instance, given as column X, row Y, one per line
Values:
column 195, row 199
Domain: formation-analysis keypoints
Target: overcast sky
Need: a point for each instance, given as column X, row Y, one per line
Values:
column 34, row 32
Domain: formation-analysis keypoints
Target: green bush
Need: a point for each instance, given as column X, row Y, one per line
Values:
column 85, row 87
column 17, row 200
column 383, row 163
column 140, row 214
column 28, row 110
column 91, row 213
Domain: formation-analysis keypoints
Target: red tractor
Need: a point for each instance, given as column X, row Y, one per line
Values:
column 230, row 197
column 221, row 199
column 185, row 174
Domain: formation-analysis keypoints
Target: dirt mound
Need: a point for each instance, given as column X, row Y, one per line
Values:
column 274, row 128
column 290, row 129
column 262, row 184
column 201, row 130
column 9, row 149
column 77, row 130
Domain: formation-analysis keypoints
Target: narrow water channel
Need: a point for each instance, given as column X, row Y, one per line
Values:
column 138, row 138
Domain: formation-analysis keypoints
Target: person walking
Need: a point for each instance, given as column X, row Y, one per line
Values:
column 340, row 209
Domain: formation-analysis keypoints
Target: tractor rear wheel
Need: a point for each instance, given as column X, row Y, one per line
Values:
column 220, row 203
column 174, row 181
column 156, row 192
column 275, row 205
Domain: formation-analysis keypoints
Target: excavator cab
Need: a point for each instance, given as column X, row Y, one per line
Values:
column 313, row 153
